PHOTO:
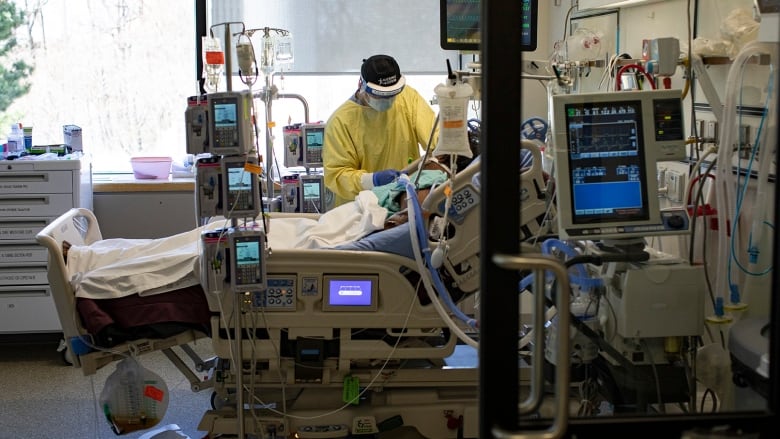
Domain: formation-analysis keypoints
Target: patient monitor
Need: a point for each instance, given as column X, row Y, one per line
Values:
column 606, row 149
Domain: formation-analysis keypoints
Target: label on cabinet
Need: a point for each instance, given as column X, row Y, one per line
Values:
column 21, row 229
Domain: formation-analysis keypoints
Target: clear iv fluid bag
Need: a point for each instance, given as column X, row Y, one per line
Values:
column 453, row 114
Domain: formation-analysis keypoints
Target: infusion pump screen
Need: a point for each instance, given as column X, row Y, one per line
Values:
column 311, row 190
column 239, row 189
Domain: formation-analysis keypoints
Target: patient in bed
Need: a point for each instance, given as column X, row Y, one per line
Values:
column 114, row 268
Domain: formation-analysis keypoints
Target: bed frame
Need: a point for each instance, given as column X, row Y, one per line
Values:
column 78, row 226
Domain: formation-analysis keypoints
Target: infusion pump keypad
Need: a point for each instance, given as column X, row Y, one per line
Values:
column 314, row 155
column 225, row 137
column 279, row 296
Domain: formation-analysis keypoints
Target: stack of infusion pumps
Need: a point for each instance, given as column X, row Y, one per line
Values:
column 220, row 130
column 303, row 148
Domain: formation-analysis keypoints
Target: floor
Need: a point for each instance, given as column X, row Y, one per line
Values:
column 41, row 397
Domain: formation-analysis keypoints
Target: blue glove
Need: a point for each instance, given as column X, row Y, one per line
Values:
column 381, row 178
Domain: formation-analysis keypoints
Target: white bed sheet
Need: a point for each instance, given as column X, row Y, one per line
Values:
column 119, row 267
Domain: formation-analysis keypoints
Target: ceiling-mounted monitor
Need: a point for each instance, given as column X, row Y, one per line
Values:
column 460, row 23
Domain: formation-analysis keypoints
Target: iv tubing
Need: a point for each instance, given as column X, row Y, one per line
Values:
column 414, row 219
column 725, row 181
column 767, row 144
column 632, row 66
column 442, row 290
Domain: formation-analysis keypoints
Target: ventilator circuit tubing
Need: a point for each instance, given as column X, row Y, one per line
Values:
column 583, row 280
column 417, row 232
column 725, row 182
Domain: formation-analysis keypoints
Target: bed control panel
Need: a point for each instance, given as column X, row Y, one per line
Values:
column 278, row 296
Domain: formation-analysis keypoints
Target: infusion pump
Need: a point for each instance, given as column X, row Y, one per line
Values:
column 303, row 193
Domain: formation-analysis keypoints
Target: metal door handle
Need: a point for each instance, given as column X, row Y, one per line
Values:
column 539, row 264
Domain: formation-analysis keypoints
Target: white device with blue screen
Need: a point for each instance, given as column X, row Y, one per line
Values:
column 606, row 149
column 247, row 260
column 230, row 123
column 353, row 293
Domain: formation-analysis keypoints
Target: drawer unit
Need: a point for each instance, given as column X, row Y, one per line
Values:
column 21, row 229
column 33, row 194
column 44, row 205
column 26, row 309
column 19, row 255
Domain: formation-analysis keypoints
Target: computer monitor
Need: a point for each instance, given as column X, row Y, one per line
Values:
column 460, row 22
column 606, row 149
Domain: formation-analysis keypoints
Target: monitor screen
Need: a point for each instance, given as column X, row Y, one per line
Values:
column 350, row 293
column 460, row 22
column 606, row 149
column 608, row 179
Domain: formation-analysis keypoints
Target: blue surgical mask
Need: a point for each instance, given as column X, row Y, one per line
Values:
column 378, row 104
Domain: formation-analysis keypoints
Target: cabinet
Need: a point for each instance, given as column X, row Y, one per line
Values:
column 130, row 208
column 33, row 193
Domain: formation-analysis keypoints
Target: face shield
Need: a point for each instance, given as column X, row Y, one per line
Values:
column 381, row 98
column 379, row 104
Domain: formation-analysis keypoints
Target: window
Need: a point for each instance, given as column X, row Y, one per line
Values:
column 120, row 69
column 329, row 41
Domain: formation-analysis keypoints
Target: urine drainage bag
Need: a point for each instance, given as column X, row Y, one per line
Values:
column 133, row 398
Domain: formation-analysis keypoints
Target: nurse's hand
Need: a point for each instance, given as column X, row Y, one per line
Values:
column 381, row 178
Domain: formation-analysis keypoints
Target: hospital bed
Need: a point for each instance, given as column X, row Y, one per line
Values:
column 300, row 355
column 81, row 319
column 394, row 358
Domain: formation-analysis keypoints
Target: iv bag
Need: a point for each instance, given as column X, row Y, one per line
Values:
column 453, row 111
column 133, row 398
column 213, row 62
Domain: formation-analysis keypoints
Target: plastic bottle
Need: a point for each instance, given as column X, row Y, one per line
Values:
column 16, row 138
column 27, row 131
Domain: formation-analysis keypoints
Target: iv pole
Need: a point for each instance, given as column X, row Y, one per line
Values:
column 267, row 95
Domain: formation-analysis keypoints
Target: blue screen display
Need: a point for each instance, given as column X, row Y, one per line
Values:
column 350, row 292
